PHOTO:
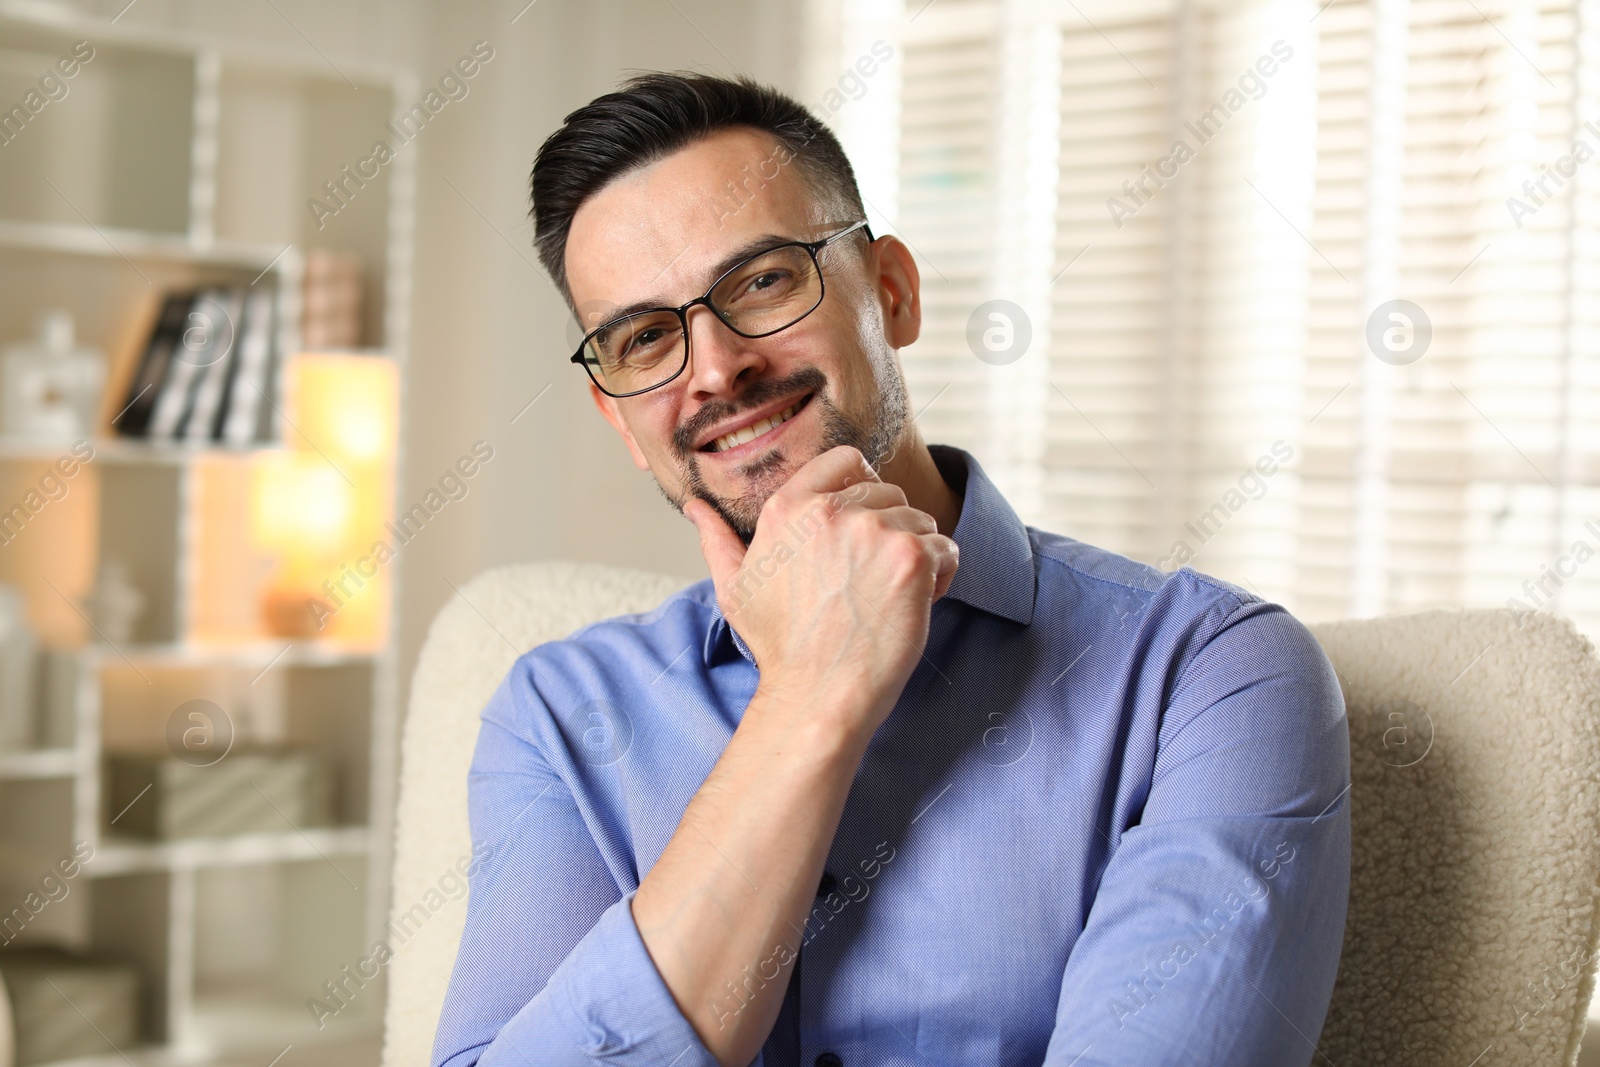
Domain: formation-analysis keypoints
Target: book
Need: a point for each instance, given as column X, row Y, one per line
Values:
column 200, row 420
column 206, row 371
column 248, row 386
column 176, row 394
column 145, row 387
column 331, row 299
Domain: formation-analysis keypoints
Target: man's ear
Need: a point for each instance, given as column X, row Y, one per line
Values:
column 899, row 291
column 608, row 408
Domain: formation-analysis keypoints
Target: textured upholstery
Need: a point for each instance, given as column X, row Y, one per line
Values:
column 1475, row 806
column 1475, row 767
column 471, row 645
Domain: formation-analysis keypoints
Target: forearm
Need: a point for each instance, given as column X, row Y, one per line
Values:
column 726, row 903
column 837, row 629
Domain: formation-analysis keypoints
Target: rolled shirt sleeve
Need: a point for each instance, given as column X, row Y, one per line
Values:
column 551, row 970
column 1215, row 933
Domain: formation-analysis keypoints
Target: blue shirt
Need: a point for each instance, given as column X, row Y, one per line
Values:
column 1107, row 823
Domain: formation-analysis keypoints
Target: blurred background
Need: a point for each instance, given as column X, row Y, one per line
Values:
column 1300, row 294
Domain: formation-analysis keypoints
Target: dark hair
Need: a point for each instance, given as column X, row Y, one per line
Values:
column 653, row 115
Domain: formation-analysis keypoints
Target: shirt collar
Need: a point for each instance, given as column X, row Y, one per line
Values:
column 996, row 567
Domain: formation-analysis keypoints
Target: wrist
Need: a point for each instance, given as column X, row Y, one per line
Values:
column 829, row 719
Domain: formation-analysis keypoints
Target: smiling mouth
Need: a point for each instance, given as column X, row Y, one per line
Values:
column 759, row 428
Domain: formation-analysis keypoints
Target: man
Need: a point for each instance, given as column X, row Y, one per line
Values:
column 906, row 782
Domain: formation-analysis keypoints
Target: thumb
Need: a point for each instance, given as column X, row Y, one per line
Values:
column 948, row 560
column 721, row 547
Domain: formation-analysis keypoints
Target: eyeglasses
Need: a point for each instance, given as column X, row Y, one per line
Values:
column 757, row 297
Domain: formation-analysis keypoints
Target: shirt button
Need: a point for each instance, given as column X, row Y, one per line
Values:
column 828, row 1059
column 825, row 887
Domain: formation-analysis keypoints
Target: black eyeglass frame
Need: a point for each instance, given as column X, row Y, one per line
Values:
column 812, row 248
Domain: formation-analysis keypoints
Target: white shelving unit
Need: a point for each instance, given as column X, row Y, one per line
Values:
column 179, row 160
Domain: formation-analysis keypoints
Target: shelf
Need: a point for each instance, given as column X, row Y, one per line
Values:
column 57, row 19
column 317, row 1051
column 117, row 856
column 184, row 161
column 149, row 1056
column 126, row 450
column 224, row 1024
column 38, row 763
column 134, row 450
column 285, row 652
column 78, row 239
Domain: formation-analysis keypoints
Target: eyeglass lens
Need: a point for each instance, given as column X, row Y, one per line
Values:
column 762, row 295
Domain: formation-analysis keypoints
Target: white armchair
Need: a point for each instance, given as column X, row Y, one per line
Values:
column 1475, row 770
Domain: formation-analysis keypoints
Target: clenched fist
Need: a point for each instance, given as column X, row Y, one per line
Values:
column 834, row 592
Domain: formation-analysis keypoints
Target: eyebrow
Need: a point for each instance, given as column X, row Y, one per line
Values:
column 752, row 247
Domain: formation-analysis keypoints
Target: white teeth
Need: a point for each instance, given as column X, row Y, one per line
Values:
column 755, row 429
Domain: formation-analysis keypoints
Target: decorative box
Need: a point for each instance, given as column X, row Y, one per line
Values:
column 244, row 792
column 65, row 1006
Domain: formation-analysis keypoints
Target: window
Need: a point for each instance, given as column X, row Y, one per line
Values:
column 1227, row 230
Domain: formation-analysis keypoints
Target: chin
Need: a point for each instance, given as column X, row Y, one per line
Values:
column 756, row 481
column 753, row 484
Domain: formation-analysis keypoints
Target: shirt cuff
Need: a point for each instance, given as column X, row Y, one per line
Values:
column 610, row 1001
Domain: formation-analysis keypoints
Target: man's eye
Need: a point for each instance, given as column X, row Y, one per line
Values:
column 650, row 337
column 766, row 280
column 646, row 344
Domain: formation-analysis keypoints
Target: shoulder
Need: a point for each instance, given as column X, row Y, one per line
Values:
column 1089, row 575
column 1224, row 668
column 692, row 606
column 616, row 656
column 1192, row 620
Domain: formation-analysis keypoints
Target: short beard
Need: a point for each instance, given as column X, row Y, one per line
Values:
column 874, row 439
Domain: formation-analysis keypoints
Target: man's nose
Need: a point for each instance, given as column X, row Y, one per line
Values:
column 720, row 361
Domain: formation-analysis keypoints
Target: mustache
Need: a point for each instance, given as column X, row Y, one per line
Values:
column 808, row 379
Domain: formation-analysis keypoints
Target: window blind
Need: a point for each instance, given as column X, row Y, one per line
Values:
column 1216, row 377
column 946, row 148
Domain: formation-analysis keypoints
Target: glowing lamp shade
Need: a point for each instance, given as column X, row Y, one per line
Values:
column 344, row 405
column 318, row 505
column 301, row 506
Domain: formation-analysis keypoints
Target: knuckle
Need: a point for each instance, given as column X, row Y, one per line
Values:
column 881, row 521
column 907, row 553
column 856, row 490
column 860, row 519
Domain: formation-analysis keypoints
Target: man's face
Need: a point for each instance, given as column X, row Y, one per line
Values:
column 661, row 235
